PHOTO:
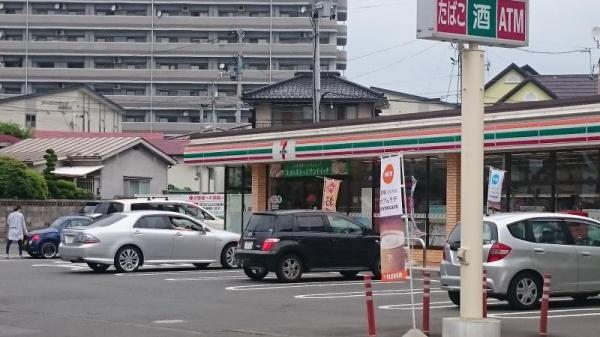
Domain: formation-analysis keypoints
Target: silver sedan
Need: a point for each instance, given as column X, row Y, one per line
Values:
column 129, row 240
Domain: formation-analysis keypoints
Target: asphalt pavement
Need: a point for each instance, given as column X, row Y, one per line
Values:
column 55, row 298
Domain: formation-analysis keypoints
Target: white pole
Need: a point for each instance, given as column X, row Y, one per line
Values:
column 26, row 61
column 471, row 191
column 152, row 68
column 408, row 236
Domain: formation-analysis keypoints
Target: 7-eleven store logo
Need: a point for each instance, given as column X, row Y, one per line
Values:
column 284, row 150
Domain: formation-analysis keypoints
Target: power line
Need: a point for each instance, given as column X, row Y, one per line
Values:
column 397, row 62
column 585, row 50
column 382, row 50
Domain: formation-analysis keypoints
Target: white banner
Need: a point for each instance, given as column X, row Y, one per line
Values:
column 495, row 185
column 390, row 195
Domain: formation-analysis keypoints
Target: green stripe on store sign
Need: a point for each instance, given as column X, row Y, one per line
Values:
column 562, row 131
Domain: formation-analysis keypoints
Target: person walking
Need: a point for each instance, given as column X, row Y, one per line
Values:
column 17, row 230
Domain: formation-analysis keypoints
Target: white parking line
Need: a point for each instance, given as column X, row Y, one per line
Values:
column 434, row 305
column 556, row 313
column 206, row 278
column 303, row 285
column 169, row 321
column 179, row 272
column 397, row 292
column 69, row 265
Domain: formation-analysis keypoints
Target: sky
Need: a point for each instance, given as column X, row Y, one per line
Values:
column 383, row 50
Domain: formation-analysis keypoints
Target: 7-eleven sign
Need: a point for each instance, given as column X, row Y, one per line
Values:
column 490, row 22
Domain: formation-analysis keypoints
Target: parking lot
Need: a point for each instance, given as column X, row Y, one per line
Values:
column 55, row 298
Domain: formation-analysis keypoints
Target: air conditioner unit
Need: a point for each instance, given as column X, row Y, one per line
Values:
column 117, row 60
column 241, row 8
column 1, row 5
column 305, row 35
column 60, row 32
column 117, row 86
column 61, row 85
column 185, row 9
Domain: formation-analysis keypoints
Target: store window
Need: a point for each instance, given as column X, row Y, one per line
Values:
column 531, row 182
column 238, row 194
column 577, row 180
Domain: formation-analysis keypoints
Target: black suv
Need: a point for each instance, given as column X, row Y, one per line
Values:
column 290, row 243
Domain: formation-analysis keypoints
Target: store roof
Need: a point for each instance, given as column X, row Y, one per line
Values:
column 32, row 151
column 299, row 89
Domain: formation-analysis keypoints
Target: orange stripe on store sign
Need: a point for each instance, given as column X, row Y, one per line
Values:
column 206, row 148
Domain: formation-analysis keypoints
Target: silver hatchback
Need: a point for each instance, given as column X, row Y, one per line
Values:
column 129, row 240
column 518, row 248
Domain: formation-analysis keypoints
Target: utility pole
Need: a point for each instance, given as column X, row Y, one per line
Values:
column 320, row 9
column 239, row 69
column 213, row 96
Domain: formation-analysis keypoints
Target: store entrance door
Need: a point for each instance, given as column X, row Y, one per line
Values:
column 297, row 193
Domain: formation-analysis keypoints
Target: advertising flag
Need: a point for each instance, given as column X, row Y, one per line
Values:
column 330, row 194
column 494, row 195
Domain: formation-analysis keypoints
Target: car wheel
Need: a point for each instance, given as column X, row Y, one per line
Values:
column 454, row 297
column 99, row 267
column 376, row 270
column 524, row 291
column 349, row 274
column 49, row 250
column 256, row 274
column 201, row 265
column 228, row 256
column 128, row 259
column 289, row 268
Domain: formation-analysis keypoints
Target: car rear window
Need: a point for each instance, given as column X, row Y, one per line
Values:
column 518, row 230
column 490, row 234
column 108, row 220
column 311, row 223
column 261, row 223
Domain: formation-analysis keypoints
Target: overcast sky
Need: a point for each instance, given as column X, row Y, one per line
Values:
column 383, row 51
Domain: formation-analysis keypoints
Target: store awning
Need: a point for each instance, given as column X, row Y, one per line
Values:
column 76, row 171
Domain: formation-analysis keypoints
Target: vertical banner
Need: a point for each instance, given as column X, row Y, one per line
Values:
column 392, row 226
column 330, row 194
column 494, row 195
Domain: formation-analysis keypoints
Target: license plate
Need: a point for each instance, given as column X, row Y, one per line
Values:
column 68, row 240
column 248, row 244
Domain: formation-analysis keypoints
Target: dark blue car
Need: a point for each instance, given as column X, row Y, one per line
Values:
column 44, row 242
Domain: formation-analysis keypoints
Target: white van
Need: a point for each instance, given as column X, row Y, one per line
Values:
column 104, row 207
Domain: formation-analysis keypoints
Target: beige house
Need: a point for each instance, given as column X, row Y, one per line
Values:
column 77, row 108
column 402, row 103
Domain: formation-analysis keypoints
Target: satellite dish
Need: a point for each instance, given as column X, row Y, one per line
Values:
column 222, row 66
column 596, row 33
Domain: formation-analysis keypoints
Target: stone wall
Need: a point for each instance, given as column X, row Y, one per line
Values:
column 37, row 212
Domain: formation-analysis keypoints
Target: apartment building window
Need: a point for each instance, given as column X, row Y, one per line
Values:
column 11, row 61
column 121, row 9
column 10, row 88
column 12, row 8
column 292, row 11
column 295, row 37
column 75, row 64
column 57, row 9
column 167, row 119
column 11, row 34
column 30, row 121
column 134, row 186
column 43, row 64
column 133, row 118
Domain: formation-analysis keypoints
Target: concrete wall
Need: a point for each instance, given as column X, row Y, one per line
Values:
column 197, row 178
column 399, row 104
column 132, row 163
column 37, row 212
column 63, row 111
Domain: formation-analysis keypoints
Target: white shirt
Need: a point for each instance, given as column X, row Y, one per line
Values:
column 17, row 228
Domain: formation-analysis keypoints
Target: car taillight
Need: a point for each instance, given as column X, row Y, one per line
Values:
column 87, row 238
column 36, row 237
column 498, row 252
column 268, row 244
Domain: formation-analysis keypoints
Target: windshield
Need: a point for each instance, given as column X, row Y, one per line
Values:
column 490, row 234
column 57, row 223
column 108, row 220
column 261, row 223
column 89, row 208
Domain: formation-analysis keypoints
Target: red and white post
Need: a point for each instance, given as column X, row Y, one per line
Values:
column 426, row 301
column 484, row 293
column 545, row 301
column 370, row 309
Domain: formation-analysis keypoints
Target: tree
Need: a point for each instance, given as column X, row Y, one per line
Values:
column 61, row 189
column 13, row 129
column 18, row 181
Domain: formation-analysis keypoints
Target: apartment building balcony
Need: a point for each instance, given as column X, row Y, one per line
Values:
column 137, row 102
column 116, row 22
column 91, row 75
column 300, row 50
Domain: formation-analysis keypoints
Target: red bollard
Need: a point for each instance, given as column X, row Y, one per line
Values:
column 484, row 293
column 426, row 301
column 370, row 309
column 545, row 300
